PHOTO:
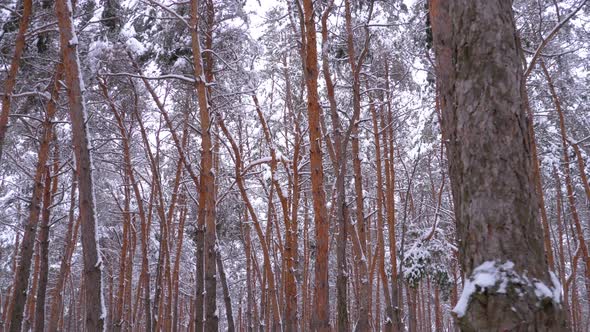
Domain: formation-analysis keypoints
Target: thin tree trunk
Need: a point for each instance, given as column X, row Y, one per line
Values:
column 560, row 250
column 50, row 189
column 27, row 244
column 64, row 270
column 9, row 303
column 568, row 178
column 537, row 178
column 10, row 80
column 290, row 226
column 272, row 289
column 31, row 298
column 390, row 199
column 226, row 296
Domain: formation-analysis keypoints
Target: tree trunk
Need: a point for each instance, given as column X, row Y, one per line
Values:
column 64, row 269
column 49, row 190
column 206, row 217
column 95, row 311
column 489, row 159
column 27, row 244
column 226, row 296
column 568, row 177
column 10, row 80
column 320, row 320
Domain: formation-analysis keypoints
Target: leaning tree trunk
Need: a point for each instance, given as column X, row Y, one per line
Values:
column 21, row 281
column 10, row 80
column 94, row 302
column 509, row 286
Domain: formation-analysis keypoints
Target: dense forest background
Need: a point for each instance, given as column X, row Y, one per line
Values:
column 205, row 181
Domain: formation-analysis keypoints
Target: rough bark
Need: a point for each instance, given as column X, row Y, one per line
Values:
column 489, row 159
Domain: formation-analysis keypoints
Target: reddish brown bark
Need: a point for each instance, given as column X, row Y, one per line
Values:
column 94, row 302
column 10, row 80
column 320, row 320
column 49, row 190
column 27, row 244
column 70, row 239
column 568, row 178
column 206, row 217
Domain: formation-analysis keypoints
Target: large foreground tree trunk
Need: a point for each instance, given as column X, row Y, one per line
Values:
column 509, row 286
column 94, row 302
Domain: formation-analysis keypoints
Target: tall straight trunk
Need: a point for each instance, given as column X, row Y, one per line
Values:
column 292, row 310
column 55, row 314
column 438, row 320
column 380, row 222
column 490, row 169
column 391, row 220
column 339, row 147
column 206, row 217
column 128, row 297
column 144, row 277
column 9, row 303
column 31, row 299
column 250, row 301
column 176, row 271
column 320, row 320
column 10, row 80
column 560, row 249
column 340, row 143
column 95, row 315
column 117, row 319
column 49, row 190
column 356, row 64
column 226, row 296
column 537, row 178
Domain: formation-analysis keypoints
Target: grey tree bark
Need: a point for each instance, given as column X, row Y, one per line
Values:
column 489, row 154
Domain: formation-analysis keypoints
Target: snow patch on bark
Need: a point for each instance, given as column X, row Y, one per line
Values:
column 492, row 274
